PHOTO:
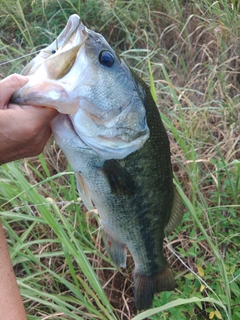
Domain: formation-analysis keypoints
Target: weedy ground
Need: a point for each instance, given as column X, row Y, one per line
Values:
column 188, row 52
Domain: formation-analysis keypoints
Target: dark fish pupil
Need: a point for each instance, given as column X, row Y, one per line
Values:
column 106, row 58
column 53, row 51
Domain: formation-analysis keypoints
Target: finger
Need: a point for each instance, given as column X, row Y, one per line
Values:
column 9, row 85
column 46, row 136
column 44, row 114
column 40, row 141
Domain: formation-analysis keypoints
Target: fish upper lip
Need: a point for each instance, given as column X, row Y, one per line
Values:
column 74, row 33
column 79, row 31
column 75, row 24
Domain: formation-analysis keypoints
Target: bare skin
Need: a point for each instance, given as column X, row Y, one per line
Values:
column 24, row 131
column 11, row 305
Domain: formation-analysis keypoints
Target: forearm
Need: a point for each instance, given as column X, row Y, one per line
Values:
column 11, row 305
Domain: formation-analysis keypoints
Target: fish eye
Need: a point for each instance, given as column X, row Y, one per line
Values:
column 53, row 51
column 106, row 58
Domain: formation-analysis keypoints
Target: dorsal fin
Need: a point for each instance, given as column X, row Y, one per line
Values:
column 176, row 213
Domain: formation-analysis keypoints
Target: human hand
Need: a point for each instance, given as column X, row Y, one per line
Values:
column 24, row 130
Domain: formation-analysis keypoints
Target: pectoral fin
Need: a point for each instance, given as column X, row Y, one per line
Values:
column 118, row 178
column 84, row 191
column 176, row 213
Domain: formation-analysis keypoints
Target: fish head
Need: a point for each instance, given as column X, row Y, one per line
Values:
column 81, row 76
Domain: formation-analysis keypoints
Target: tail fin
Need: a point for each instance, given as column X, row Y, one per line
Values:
column 164, row 281
column 143, row 291
column 146, row 286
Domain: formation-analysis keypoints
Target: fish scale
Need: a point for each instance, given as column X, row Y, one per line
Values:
column 110, row 129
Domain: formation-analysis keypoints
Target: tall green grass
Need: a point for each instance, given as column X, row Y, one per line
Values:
column 63, row 241
column 188, row 53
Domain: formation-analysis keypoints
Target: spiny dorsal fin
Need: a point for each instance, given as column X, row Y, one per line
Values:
column 176, row 213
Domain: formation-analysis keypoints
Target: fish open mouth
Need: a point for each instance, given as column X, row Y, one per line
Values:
column 48, row 71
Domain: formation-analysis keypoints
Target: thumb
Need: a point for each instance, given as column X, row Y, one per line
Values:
column 9, row 85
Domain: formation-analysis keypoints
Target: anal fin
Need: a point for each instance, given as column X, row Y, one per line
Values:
column 116, row 250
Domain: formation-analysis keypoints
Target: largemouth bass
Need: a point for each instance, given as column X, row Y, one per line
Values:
column 112, row 134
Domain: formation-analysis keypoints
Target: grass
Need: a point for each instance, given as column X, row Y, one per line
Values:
column 188, row 53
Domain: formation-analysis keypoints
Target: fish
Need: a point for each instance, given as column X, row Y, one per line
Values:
column 111, row 132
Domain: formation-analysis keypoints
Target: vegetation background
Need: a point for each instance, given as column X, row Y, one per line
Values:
column 189, row 53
